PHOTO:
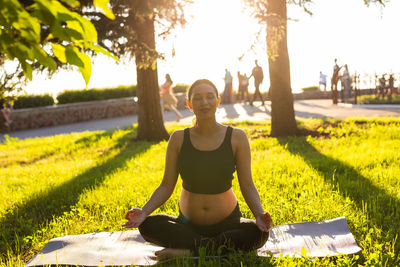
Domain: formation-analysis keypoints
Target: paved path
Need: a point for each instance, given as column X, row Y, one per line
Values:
column 239, row 112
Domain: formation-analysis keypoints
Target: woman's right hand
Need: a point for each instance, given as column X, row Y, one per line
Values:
column 135, row 217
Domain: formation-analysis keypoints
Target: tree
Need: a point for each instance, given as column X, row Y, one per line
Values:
column 132, row 34
column 47, row 34
column 273, row 13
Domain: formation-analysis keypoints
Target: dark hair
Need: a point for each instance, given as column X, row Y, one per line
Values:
column 196, row 83
column 168, row 78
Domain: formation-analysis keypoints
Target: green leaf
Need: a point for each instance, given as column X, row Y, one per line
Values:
column 103, row 5
column 90, row 30
column 27, row 69
column 43, row 58
column 86, row 71
column 98, row 49
column 72, row 3
column 59, row 52
column 71, row 54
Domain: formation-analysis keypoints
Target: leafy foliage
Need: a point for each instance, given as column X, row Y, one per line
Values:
column 48, row 32
column 120, row 37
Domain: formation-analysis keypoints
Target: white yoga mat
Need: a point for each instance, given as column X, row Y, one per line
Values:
column 319, row 239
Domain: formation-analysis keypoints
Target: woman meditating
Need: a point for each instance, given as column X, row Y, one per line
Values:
column 206, row 156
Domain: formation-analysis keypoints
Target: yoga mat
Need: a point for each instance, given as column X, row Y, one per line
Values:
column 319, row 239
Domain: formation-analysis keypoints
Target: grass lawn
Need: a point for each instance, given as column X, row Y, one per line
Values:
column 84, row 182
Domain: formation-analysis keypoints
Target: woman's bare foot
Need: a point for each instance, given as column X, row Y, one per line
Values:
column 168, row 253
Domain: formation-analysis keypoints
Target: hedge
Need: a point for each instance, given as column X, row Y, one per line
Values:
column 372, row 99
column 32, row 101
column 310, row 88
column 180, row 88
column 75, row 96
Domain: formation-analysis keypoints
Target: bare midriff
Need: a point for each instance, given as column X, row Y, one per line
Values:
column 207, row 209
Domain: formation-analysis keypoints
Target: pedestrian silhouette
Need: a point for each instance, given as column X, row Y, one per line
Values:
column 334, row 82
column 227, row 95
column 258, row 75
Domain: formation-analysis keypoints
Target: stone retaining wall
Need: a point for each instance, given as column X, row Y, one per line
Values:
column 69, row 113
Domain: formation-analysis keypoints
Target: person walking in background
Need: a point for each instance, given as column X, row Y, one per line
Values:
column 346, row 83
column 334, row 82
column 390, row 86
column 6, row 110
column 322, row 80
column 240, row 78
column 168, row 97
column 244, row 93
column 227, row 95
column 381, row 86
column 258, row 75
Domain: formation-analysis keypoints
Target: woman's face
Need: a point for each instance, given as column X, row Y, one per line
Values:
column 204, row 100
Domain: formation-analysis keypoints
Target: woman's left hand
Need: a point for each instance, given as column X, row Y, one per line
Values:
column 264, row 222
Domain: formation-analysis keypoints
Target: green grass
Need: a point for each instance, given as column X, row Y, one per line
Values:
column 84, row 182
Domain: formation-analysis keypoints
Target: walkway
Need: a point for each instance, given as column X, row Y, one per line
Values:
column 237, row 112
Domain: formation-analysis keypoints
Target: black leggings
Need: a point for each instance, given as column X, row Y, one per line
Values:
column 234, row 232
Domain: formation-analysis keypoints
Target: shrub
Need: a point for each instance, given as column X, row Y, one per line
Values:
column 180, row 88
column 310, row 88
column 31, row 101
column 75, row 96
column 372, row 99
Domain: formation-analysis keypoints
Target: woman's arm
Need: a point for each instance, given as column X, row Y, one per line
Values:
column 247, row 187
column 136, row 216
column 166, row 188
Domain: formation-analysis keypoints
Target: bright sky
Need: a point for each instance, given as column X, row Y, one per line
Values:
column 219, row 32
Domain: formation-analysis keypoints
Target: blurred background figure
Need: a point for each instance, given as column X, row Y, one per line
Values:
column 168, row 98
column 346, row 83
column 227, row 95
column 6, row 110
column 322, row 80
column 258, row 75
column 244, row 89
column 334, row 82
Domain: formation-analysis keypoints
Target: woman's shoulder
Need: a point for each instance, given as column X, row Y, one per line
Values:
column 176, row 139
column 239, row 137
column 238, row 133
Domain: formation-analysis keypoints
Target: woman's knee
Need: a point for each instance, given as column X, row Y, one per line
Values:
column 259, row 237
column 149, row 225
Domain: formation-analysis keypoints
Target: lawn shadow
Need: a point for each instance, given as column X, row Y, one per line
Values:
column 231, row 112
column 381, row 208
column 251, row 110
column 25, row 219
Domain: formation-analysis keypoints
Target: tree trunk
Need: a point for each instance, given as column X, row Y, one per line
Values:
column 283, row 122
column 150, row 119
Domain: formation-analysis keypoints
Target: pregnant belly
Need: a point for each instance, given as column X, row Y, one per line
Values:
column 206, row 209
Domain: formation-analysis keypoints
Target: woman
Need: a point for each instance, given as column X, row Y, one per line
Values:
column 168, row 97
column 206, row 156
column 6, row 110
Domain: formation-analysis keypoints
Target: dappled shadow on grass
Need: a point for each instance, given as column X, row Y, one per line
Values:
column 382, row 209
column 25, row 219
